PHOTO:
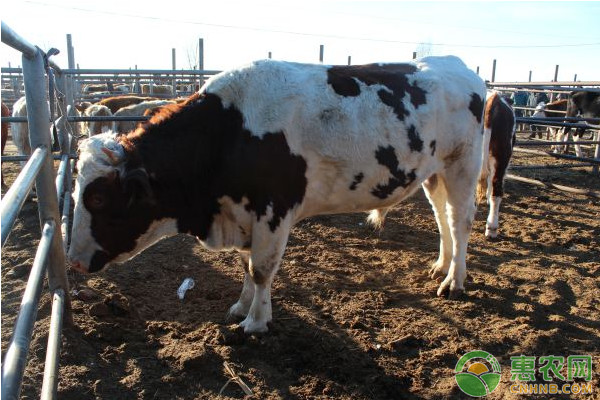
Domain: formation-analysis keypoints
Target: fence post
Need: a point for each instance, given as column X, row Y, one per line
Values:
column 494, row 71
column 321, row 51
column 174, row 62
column 38, row 119
column 349, row 60
column 414, row 55
column 530, row 76
column 270, row 55
column 201, row 61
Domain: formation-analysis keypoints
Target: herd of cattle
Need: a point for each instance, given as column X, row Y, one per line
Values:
column 262, row 147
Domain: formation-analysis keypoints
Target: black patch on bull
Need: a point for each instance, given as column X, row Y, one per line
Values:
column 432, row 147
column 343, row 80
column 415, row 143
column 386, row 156
column 476, row 107
column 194, row 157
column 357, row 179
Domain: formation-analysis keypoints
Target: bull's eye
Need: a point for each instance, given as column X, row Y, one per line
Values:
column 96, row 201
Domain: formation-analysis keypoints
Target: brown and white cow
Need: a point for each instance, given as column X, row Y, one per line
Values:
column 96, row 127
column 269, row 144
column 583, row 104
column 117, row 102
column 499, row 139
column 135, row 110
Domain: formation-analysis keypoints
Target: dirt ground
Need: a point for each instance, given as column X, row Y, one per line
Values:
column 355, row 314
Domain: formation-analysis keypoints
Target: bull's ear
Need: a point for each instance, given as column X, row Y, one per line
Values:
column 113, row 156
column 136, row 184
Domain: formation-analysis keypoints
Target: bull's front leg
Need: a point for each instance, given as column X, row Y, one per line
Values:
column 268, row 246
column 242, row 306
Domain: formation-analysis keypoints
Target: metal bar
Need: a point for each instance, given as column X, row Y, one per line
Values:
column 543, row 121
column 38, row 116
column 545, row 83
column 16, row 119
column 555, row 155
column 13, row 200
column 15, row 41
column 71, row 71
column 25, row 158
column 84, row 74
column 565, row 118
column 15, row 359
column 111, row 118
column 548, row 166
column 546, row 143
column 64, row 221
column 50, row 382
column 61, row 175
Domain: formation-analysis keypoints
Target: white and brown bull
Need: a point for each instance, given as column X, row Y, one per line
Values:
column 499, row 139
column 267, row 145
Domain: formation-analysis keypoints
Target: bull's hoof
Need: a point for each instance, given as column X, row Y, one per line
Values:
column 237, row 312
column 250, row 326
column 449, row 290
column 456, row 294
column 491, row 233
column 436, row 272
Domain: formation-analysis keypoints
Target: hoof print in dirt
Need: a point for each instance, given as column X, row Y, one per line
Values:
column 118, row 305
column 85, row 294
column 99, row 310
column 20, row 271
column 233, row 335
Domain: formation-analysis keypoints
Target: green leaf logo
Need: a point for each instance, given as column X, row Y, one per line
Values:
column 478, row 373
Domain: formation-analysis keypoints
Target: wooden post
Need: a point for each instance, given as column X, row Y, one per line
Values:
column 270, row 55
column 478, row 70
column 321, row 51
column 494, row 71
column 414, row 55
column 556, row 74
column 530, row 75
column 349, row 60
column 575, row 78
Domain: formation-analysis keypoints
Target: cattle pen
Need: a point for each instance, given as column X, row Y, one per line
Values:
column 361, row 320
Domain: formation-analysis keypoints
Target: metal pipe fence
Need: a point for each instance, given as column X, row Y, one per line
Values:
column 15, row 197
column 50, row 255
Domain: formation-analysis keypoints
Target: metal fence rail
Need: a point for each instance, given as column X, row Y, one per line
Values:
column 50, row 256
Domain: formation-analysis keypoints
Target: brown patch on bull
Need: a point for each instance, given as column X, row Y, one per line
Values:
column 431, row 182
column 454, row 155
column 257, row 276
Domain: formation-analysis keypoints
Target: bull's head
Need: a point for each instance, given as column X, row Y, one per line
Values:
column 116, row 215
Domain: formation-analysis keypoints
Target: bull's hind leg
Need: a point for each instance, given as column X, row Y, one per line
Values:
column 435, row 190
column 461, row 180
column 241, row 308
column 268, row 247
column 495, row 197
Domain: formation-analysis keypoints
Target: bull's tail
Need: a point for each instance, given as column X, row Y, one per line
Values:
column 485, row 177
column 484, row 184
column 376, row 217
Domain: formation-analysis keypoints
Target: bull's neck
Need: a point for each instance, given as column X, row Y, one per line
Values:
column 181, row 155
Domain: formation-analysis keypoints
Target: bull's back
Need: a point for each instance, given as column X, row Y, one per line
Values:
column 369, row 134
